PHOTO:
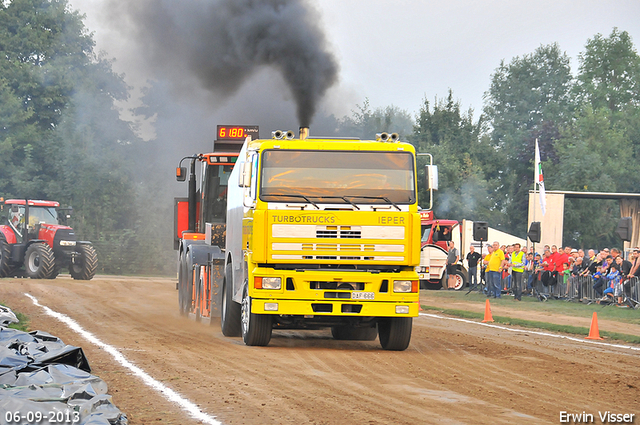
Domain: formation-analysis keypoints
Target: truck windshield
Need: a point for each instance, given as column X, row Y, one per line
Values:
column 359, row 177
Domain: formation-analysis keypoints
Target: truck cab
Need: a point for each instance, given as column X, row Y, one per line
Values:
column 322, row 233
column 436, row 234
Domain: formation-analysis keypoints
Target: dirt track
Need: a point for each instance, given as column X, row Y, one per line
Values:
column 453, row 372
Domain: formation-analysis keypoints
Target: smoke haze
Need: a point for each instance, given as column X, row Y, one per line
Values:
column 219, row 45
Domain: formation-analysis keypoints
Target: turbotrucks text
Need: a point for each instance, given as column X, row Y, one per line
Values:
column 322, row 233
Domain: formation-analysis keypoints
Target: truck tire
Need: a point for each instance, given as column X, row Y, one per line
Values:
column 197, row 297
column 256, row 328
column 460, row 281
column 180, row 284
column 184, row 294
column 86, row 264
column 395, row 333
column 230, row 315
column 353, row 333
column 39, row 261
column 6, row 268
column 430, row 285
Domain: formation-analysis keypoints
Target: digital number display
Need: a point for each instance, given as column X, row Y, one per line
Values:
column 237, row 132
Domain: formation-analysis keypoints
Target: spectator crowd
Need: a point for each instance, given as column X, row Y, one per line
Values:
column 519, row 270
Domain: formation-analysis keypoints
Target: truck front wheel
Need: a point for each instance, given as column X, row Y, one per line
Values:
column 230, row 315
column 256, row 328
column 84, row 265
column 395, row 332
column 39, row 261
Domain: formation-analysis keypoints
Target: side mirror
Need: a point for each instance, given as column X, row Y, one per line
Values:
column 244, row 177
column 431, row 177
column 181, row 174
column 64, row 214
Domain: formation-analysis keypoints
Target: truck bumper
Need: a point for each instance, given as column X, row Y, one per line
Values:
column 334, row 308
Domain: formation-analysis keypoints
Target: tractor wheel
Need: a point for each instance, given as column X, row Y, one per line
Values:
column 256, row 328
column 395, row 333
column 56, row 271
column 352, row 333
column 85, row 265
column 230, row 315
column 39, row 261
column 6, row 268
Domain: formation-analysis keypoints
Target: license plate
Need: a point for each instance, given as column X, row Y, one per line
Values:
column 362, row 295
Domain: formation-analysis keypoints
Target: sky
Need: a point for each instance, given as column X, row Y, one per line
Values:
column 402, row 52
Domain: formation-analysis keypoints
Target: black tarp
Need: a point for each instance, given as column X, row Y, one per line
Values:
column 40, row 374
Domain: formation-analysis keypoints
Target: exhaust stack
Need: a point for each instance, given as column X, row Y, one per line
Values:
column 304, row 133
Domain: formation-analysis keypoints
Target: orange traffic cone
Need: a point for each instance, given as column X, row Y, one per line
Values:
column 594, row 332
column 487, row 313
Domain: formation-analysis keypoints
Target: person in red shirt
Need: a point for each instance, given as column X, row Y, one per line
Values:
column 561, row 258
column 548, row 267
column 554, row 253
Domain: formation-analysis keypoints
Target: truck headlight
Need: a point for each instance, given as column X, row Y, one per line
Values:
column 270, row 306
column 402, row 309
column 405, row 286
column 271, row 283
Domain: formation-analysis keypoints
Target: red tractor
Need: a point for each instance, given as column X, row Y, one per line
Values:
column 33, row 235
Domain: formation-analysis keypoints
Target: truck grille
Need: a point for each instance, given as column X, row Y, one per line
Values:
column 335, row 285
column 342, row 232
column 338, row 243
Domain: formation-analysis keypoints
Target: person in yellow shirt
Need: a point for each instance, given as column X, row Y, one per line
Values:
column 516, row 262
column 495, row 266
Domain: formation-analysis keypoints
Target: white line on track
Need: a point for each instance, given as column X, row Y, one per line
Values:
column 585, row 341
column 193, row 410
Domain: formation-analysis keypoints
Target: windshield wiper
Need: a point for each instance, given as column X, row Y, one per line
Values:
column 376, row 197
column 344, row 198
column 295, row 196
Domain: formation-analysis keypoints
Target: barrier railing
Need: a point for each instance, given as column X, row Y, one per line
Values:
column 578, row 288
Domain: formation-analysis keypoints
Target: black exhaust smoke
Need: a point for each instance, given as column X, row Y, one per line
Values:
column 221, row 43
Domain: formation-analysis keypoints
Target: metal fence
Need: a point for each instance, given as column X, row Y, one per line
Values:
column 581, row 288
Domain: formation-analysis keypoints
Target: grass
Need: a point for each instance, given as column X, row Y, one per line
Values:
column 553, row 306
column 556, row 307
column 23, row 324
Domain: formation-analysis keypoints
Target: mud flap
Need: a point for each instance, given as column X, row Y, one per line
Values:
column 216, row 274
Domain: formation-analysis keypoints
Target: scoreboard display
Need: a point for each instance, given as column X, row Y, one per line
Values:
column 237, row 132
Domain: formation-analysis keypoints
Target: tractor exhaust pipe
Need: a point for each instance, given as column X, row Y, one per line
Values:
column 304, row 133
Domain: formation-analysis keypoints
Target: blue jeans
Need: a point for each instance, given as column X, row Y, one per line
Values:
column 495, row 287
column 473, row 276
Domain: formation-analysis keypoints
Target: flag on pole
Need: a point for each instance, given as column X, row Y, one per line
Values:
column 539, row 179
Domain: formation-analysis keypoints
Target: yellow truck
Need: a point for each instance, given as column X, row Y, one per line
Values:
column 322, row 232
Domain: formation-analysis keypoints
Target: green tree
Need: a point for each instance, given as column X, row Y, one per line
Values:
column 463, row 157
column 365, row 123
column 592, row 156
column 61, row 136
column 598, row 149
column 609, row 72
column 529, row 98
